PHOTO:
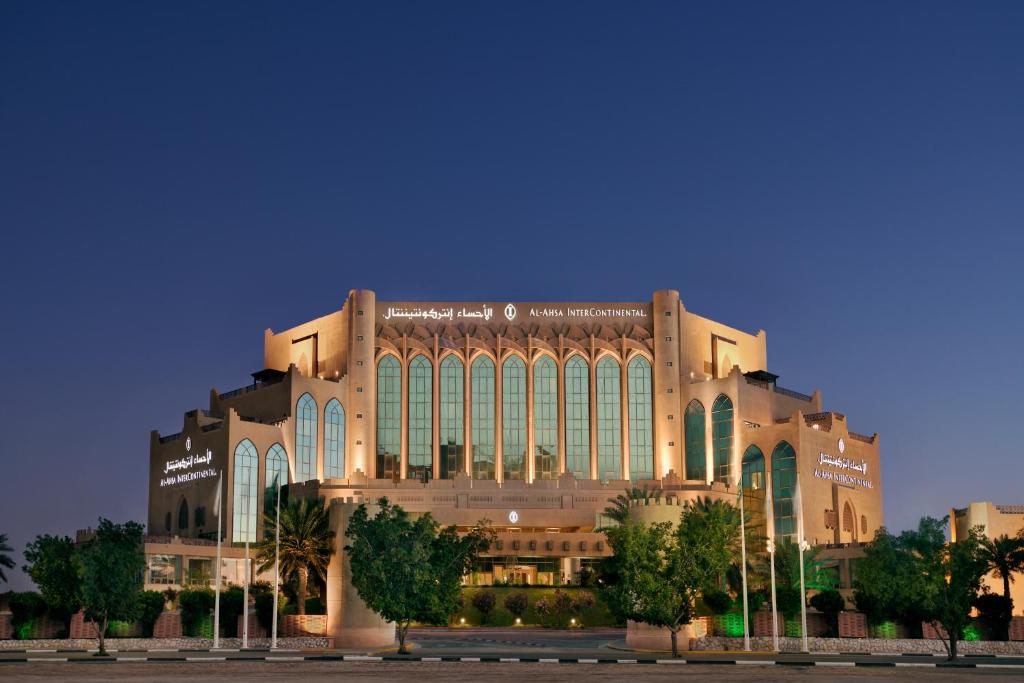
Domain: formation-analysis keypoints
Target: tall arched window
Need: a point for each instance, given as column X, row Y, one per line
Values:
column 276, row 470
column 696, row 452
column 753, row 482
column 246, row 466
column 421, row 419
column 451, row 407
column 183, row 515
column 641, row 426
column 389, row 417
column 577, row 417
column 513, row 418
column 783, row 490
column 305, row 438
column 545, row 418
column 334, row 440
column 482, row 378
column 609, row 420
column 721, row 438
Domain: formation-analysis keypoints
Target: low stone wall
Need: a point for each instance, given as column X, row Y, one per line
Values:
column 168, row 625
column 256, row 629
column 646, row 637
column 6, row 625
column 303, row 625
column 887, row 645
column 121, row 644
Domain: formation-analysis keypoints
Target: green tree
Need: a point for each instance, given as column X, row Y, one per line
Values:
column 660, row 570
column 53, row 565
column 516, row 603
column 830, row 603
column 889, row 585
column 307, row 544
column 409, row 569
column 618, row 509
column 1004, row 557
column 953, row 573
column 6, row 561
column 151, row 604
column 112, row 565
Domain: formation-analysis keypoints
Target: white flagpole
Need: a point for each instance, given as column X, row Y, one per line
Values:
column 743, row 568
column 216, row 581
column 277, row 567
column 770, row 524
column 803, row 547
column 245, row 601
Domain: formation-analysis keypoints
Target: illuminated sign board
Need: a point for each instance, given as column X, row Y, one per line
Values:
column 485, row 312
column 188, row 468
column 837, row 469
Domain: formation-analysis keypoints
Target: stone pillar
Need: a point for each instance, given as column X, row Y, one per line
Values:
column 360, row 432
column 350, row 623
column 666, row 383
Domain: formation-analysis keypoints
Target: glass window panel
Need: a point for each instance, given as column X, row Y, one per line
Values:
column 243, row 521
column 721, row 438
column 163, row 569
column 389, row 417
column 545, row 418
column 577, row 417
column 641, row 424
column 334, row 440
column 276, row 471
column 482, row 378
column 783, row 490
column 451, row 407
column 305, row 438
column 513, row 418
column 421, row 419
column 696, row 458
column 609, row 420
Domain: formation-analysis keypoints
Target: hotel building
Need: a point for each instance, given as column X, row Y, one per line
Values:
column 532, row 415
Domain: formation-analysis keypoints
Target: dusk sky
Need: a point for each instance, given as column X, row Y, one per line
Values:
column 177, row 177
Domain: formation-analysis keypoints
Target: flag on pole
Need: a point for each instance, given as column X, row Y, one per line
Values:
column 743, row 567
column 798, row 501
column 217, row 568
column 769, row 511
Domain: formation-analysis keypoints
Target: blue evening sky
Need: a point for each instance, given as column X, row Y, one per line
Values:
column 175, row 177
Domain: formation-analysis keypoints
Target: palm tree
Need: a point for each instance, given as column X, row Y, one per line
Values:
column 1004, row 556
column 618, row 511
column 5, row 558
column 307, row 543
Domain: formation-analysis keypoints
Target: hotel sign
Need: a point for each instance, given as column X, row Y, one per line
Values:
column 511, row 312
column 838, row 469
column 188, row 468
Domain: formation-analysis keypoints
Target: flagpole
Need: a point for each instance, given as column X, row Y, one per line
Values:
column 277, row 566
column 216, row 581
column 245, row 601
column 803, row 547
column 770, row 524
column 743, row 569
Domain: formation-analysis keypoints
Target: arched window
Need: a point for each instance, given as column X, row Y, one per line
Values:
column 696, row 452
column 451, row 408
column 753, row 483
column 167, row 522
column 482, row 378
column 609, row 420
column 721, row 438
column 513, row 418
column 243, row 521
column 276, row 471
column 389, row 418
column 183, row 515
column 334, row 440
column 783, row 490
column 847, row 518
column 545, row 418
column 641, row 426
column 421, row 419
column 305, row 438
column 577, row 417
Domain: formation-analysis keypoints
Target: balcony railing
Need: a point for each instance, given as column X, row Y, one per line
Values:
column 793, row 394
column 860, row 437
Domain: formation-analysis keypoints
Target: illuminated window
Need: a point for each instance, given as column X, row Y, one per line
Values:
column 577, row 417
column 334, row 440
column 451, row 415
column 753, row 480
column 545, row 418
column 276, row 471
column 421, row 419
column 641, row 426
column 783, row 490
column 513, row 418
column 305, row 438
column 694, row 429
column 389, row 417
column 243, row 521
column 721, row 438
column 609, row 420
column 482, row 379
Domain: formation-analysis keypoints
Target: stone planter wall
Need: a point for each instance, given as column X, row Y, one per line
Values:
column 303, row 625
column 881, row 645
column 763, row 624
column 6, row 626
column 1017, row 628
column 853, row 625
column 168, row 625
column 646, row 637
column 256, row 630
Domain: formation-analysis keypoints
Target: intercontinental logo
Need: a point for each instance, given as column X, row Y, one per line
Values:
column 510, row 312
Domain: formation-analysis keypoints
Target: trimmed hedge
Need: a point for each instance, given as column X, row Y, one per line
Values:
column 597, row 614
